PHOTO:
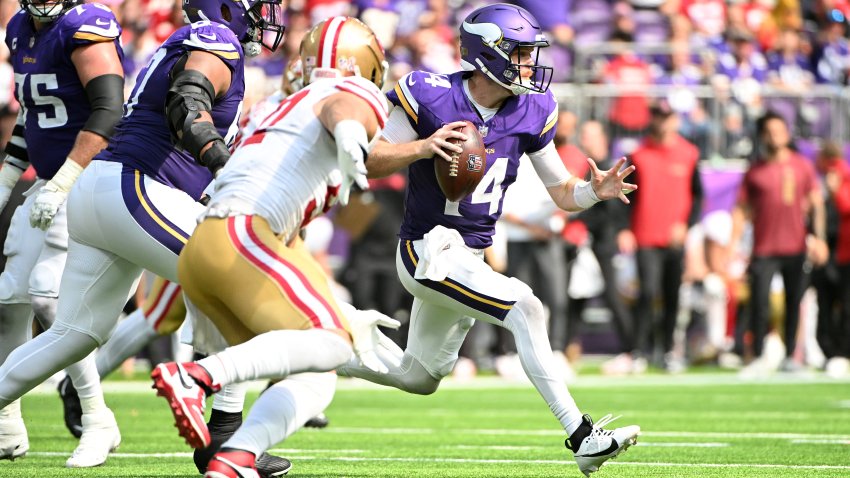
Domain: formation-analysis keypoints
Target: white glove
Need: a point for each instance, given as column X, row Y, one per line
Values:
column 9, row 176
column 53, row 194
column 369, row 343
column 351, row 146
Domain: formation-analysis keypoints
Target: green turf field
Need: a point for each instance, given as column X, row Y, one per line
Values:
column 698, row 425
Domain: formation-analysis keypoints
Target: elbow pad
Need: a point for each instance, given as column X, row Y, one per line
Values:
column 106, row 97
column 190, row 93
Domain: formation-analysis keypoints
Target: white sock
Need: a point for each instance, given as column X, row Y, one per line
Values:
column 527, row 323
column 130, row 336
column 11, row 411
column 282, row 410
column 231, row 398
column 86, row 380
column 277, row 354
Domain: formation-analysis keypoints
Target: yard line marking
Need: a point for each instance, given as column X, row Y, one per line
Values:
column 642, row 444
column 490, row 461
column 823, row 442
column 844, row 404
column 682, row 445
column 644, row 433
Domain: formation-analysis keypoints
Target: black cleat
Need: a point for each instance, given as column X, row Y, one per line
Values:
column 71, row 407
column 222, row 426
column 269, row 465
column 319, row 421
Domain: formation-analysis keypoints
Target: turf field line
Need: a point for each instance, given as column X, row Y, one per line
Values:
column 479, row 383
column 642, row 444
column 822, row 442
column 645, row 433
column 483, row 461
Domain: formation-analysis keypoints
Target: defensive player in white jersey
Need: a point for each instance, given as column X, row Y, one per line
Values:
column 67, row 62
column 504, row 92
column 246, row 268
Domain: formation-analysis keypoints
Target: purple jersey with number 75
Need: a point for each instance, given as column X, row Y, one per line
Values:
column 523, row 124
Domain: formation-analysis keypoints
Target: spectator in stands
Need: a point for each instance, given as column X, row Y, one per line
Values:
column 756, row 16
column 603, row 224
column 708, row 18
column 777, row 193
column 667, row 203
column 628, row 75
column 555, row 21
column 789, row 68
column 740, row 73
column 832, row 281
column 592, row 22
column 832, row 57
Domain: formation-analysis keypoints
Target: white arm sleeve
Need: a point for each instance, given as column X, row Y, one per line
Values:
column 547, row 162
column 398, row 129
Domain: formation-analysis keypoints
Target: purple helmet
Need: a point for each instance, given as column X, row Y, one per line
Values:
column 250, row 20
column 490, row 35
column 47, row 11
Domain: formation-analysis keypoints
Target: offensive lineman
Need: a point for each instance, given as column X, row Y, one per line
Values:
column 70, row 84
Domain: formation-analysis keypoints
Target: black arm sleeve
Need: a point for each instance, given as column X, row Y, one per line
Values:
column 190, row 93
column 696, row 197
column 106, row 97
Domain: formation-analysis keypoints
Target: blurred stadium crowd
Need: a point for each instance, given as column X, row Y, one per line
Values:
column 678, row 86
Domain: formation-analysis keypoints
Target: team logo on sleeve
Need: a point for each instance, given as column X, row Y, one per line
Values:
column 474, row 163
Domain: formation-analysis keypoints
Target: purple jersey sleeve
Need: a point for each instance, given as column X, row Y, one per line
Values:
column 217, row 39
column 546, row 114
column 86, row 24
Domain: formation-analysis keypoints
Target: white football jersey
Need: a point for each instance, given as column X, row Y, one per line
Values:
column 287, row 170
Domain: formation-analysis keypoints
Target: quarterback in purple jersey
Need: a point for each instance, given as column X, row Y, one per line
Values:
column 135, row 205
column 69, row 81
column 504, row 91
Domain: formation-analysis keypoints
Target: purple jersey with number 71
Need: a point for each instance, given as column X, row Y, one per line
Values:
column 142, row 139
column 523, row 124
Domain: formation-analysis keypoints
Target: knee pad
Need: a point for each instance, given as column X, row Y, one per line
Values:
column 529, row 307
column 44, row 280
column 12, row 291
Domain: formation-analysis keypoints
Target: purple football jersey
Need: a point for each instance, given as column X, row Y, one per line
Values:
column 524, row 124
column 142, row 139
column 54, row 102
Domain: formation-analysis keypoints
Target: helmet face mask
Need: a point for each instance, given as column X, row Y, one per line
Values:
column 257, row 23
column 494, row 37
column 47, row 11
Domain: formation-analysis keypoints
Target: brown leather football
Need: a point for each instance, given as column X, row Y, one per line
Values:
column 460, row 177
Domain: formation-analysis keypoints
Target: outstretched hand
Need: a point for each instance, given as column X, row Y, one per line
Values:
column 611, row 184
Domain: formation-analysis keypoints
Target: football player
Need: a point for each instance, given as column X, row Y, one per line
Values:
column 70, row 83
column 504, row 91
column 135, row 206
column 246, row 268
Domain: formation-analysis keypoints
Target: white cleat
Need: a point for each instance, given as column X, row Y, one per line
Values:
column 602, row 445
column 100, row 436
column 14, row 442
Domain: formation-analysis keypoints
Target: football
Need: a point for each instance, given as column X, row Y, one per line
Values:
column 460, row 177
